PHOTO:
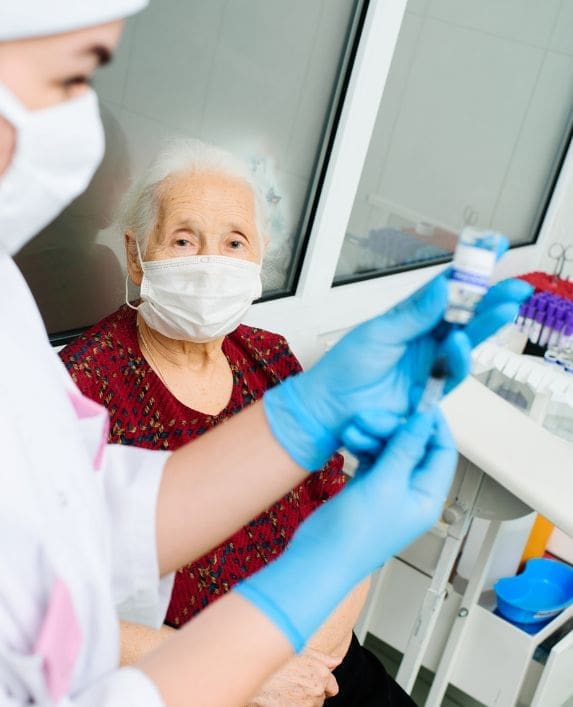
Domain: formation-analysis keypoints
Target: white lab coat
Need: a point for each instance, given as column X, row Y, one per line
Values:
column 77, row 546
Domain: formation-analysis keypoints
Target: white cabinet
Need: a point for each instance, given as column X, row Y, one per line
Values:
column 494, row 661
column 510, row 466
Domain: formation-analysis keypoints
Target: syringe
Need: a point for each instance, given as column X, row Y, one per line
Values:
column 468, row 281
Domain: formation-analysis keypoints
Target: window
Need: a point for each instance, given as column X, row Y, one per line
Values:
column 472, row 128
column 264, row 74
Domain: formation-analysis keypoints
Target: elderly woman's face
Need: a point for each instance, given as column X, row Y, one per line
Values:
column 205, row 214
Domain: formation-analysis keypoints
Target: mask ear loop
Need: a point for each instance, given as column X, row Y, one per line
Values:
column 127, row 302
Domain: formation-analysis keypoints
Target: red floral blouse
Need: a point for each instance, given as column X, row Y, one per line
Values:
column 107, row 365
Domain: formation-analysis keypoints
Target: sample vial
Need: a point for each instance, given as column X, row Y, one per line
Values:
column 537, row 326
column 565, row 350
column 557, row 329
column 468, row 281
column 471, row 270
column 529, row 318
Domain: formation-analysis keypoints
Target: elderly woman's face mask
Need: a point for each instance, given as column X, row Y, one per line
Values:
column 207, row 222
column 199, row 297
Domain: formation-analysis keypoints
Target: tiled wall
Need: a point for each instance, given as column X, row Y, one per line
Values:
column 473, row 114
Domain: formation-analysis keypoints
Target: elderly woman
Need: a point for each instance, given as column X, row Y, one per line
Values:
column 180, row 363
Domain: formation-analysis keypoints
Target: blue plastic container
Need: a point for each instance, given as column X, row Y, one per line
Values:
column 534, row 597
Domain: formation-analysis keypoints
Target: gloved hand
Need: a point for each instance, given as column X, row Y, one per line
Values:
column 381, row 510
column 359, row 391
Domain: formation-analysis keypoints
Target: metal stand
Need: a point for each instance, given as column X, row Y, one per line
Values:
column 459, row 516
column 469, row 600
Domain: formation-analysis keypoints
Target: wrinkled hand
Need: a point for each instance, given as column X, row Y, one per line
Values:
column 305, row 681
column 374, row 377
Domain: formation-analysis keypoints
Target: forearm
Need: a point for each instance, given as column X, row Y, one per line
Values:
column 137, row 640
column 224, row 654
column 334, row 636
column 216, row 484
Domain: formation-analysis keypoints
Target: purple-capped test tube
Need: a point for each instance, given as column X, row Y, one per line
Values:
column 566, row 341
column 529, row 317
column 537, row 325
column 560, row 319
column 519, row 320
column 548, row 328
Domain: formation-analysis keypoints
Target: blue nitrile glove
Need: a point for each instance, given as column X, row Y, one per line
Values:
column 374, row 377
column 380, row 511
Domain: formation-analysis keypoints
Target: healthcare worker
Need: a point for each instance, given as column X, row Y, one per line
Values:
column 90, row 532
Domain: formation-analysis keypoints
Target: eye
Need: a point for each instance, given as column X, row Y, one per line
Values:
column 237, row 240
column 78, row 80
column 75, row 85
column 183, row 243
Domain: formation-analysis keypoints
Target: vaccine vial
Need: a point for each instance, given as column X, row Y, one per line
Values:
column 472, row 266
column 468, row 281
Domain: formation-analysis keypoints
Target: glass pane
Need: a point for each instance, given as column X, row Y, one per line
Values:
column 470, row 130
column 257, row 75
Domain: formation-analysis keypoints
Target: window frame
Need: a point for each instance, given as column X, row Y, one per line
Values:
column 319, row 312
column 314, row 315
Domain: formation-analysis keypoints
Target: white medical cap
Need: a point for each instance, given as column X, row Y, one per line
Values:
column 33, row 18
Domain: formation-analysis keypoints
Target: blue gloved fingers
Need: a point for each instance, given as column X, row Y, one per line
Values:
column 413, row 317
column 457, row 352
column 512, row 290
column 359, row 442
column 433, row 478
column 367, row 430
column 405, row 450
column 487, row 323
column 498, row 308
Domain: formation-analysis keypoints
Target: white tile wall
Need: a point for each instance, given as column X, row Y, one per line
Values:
column 561, row 38
column 529, row 168
column 332, row 24
column 169, row 67
column 528, row 21
column 364, row 216
column 472, row 115
column 457, row 127
column 418, row 6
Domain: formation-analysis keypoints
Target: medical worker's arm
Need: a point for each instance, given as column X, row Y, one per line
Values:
column 137, row 640
column 380, row 511
column 304, row 678
column 333, row 637
column 354, row 396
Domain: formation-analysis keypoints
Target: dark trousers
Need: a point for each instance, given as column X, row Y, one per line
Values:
column 363, row 682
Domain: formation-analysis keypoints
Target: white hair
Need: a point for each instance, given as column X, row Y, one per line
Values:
column 140, row 204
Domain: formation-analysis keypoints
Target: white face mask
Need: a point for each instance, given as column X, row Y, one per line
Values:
column 57, row 151
column 199, row 297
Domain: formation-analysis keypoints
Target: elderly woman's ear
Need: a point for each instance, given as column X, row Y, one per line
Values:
column 132, row 257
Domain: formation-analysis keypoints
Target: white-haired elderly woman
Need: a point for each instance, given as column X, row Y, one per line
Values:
column 179, row 362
